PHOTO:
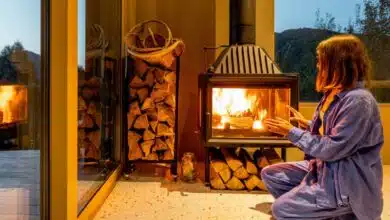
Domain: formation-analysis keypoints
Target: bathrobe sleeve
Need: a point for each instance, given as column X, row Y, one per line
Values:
column 351, row 122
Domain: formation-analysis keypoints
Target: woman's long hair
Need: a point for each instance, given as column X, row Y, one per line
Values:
column 342, row 61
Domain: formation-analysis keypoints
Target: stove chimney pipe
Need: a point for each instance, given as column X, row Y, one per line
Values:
column 242, row 22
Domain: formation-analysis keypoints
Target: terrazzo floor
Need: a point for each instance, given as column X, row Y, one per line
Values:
column 152, row 199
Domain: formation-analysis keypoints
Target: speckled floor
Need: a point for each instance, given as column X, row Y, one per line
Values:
column 152, row 199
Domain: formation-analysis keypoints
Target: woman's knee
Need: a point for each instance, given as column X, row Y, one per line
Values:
column 268, row 172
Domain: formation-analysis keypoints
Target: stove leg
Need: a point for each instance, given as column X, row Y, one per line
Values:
column 174, row 170
column 284, row 152
column 207, row 168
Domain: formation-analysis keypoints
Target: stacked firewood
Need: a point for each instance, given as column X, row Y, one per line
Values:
column 89, row 119
column 238, row 169
column 151, row 117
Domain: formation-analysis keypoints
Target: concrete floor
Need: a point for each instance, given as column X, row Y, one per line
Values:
column 152, row 199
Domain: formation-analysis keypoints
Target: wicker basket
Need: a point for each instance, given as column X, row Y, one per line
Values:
column 143, row 44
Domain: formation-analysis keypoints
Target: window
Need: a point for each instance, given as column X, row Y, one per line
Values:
column 300, row 25
column 23, row 109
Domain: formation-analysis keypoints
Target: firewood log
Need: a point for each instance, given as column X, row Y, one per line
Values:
column 140, row 67
column 130, row 120
column 87, row 93
column 82, row 106
column 81, row 134
column 159, row 74
column 148, row 104
column 147, row 146
column 225, row 174
column 148, row 135
column 262, row 186
column 217, row 183
column 152, row 114
column 164, row 130
column 141, row 122
column 159, row 145
column 215, row 180
column 231, row 159
column 170, row 78
column 133, row 136
column 235, row 184
column 218, row 165
column 168, row 155
column 90, row 150
column 165, row 113
column 142, row 94
column 94, row 138
column 91, row 109
column 86, row 121
column 153, row 125
column 149, row 79
column 272, row 156
column 260, row 160
column 136, row 82
column 170, row 100
column 135, row 152
column 134, row 108
column 133, row 93
column 93, row 82
column 249, row 165
column 170, row 141
column 252, row 182
column 152, row 156
column 159, row 95
column 241, row 173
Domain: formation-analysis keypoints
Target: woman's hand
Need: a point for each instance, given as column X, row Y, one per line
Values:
column 278, row 126
column 298, row 117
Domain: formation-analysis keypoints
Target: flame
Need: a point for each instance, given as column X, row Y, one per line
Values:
column 232, row 102
column 258, row 124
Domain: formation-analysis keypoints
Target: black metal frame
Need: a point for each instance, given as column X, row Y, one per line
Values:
column 208, row 80
column 130, row 164
column 45, row 110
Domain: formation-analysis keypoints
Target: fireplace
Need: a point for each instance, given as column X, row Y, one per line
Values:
column 241, row 90
column 13, row 111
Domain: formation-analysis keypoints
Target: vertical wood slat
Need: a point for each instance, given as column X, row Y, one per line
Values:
column 240, row 59
column 251, row 60
column 257, row 60
column 229, row 64
column 246, row 59
column 235, row 58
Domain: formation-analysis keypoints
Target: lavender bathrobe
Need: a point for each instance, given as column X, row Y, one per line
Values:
column 344, row 173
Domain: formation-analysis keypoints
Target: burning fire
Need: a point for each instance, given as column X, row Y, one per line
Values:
column 258, row 124
column 12, row 104
column 237, row 108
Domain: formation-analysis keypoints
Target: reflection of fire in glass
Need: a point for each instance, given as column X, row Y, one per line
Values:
column 241, row 112
column 13, row 103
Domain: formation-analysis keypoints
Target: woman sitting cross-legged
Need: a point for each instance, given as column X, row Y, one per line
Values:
column 341, row 176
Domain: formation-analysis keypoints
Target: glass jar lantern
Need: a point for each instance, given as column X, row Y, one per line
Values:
column 188, row 167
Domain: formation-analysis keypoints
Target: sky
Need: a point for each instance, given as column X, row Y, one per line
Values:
column 20, row 19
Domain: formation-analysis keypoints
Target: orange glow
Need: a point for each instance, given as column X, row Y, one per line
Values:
column 12, row 104
column 258, row 124
column 237, row 109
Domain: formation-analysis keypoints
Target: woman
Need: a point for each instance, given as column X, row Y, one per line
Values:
column 342, row 175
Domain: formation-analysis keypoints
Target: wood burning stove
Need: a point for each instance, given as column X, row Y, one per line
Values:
column 241, row 89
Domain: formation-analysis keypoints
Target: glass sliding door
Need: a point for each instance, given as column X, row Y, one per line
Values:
column 99, row 49
column 23, row 109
